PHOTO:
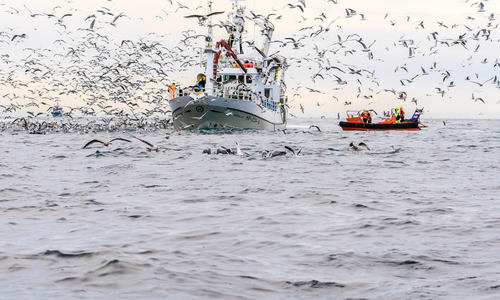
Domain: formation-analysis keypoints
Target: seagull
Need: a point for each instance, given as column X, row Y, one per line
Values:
column 480, row 7
column 221, row 125
column 224, row 150
column 350, row 12
column 238, row 150
column 293, row 151
column 203, row 18
column 34, row 15
column 395, row 150
column 104, row 143
column 478, row 83
column 278, row 153
column 301, row 108
column 365, row 48
column 294, row 6
column 20, row 36
column 153, row 147
column 354, row 147
column 113, row 23
column 315, row 127
column 441, row 24
column 200, row 117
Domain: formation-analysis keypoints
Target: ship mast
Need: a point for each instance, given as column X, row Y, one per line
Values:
column 209, row 87
column 238, row 19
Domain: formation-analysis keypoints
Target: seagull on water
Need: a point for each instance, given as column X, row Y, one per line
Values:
column 394, row 150
column 315, row 127
column 354, row 147
column 238, row 150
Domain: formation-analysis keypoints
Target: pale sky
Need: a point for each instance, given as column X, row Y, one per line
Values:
column 157, row 20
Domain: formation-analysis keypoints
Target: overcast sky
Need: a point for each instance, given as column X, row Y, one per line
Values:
column 392, row 26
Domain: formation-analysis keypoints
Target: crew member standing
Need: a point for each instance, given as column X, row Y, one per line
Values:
column 398, row 115
column 202, row 80
column 402, row 114
column 367, row 118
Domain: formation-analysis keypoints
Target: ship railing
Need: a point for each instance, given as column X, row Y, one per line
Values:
column 352, row 113
column 179, row 92
column 232, row 93
column 233, row 64
column 228, row 92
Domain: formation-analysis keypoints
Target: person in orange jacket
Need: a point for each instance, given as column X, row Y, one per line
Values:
column 402, row 114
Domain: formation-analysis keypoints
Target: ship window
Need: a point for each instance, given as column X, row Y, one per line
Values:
column 267, row 93
column 241, row 78
column 249, row 79
column 219, row 78
column 229, row 77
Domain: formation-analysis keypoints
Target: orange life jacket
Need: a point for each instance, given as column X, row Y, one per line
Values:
column 172, row 89
column 365, row 115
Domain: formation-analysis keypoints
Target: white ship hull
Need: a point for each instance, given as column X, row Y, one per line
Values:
column 217, row 112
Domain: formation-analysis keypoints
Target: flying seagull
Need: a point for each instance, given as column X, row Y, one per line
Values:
column 153, row 147
column 104, row 143
column 315, row 127
column 295, row 153
column 203, row 18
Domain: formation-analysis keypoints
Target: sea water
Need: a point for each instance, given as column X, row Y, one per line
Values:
column 120, row 222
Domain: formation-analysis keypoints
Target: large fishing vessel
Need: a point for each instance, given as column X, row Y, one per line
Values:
column 238, row 90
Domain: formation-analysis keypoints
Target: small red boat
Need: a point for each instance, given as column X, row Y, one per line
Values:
column 354, row 121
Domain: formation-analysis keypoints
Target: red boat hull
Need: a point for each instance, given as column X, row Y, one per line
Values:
column 348, row 126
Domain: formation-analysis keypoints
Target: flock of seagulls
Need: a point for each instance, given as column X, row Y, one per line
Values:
column 470, row 39
column 278, row 153
column 126, row 80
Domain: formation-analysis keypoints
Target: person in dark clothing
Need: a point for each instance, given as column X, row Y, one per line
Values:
column 367, row 117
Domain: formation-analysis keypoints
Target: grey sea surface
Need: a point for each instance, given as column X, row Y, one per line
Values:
column 119, row 222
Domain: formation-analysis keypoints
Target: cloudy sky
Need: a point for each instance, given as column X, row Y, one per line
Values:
column 461, row 68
